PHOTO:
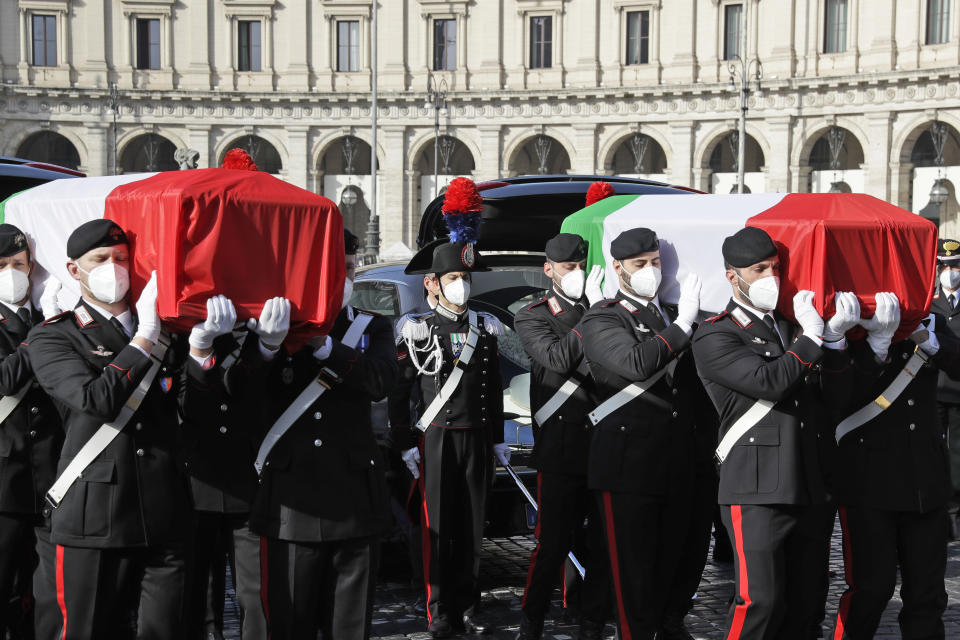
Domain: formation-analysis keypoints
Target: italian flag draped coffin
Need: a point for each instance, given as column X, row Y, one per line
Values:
column 828, row 243
column 243, row 234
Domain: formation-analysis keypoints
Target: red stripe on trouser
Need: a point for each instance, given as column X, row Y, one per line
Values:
column 265, row 583
column 615, row 567
column 425, row 540
column 740, row 612
column 536, row 532
column 61, row 591
column 847, row 596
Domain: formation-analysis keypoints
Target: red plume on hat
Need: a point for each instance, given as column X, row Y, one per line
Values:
column 598, row 191
column 238, row 159
column 462, row 205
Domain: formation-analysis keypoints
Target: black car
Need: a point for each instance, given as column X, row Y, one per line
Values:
column 18, row 174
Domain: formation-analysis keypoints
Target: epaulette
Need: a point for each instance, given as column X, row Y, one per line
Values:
column 555, row 307
column 56, row 318
column 538, row 302
column 626, row 304
column 741, row 318
column 713, row 319
column 83, row 316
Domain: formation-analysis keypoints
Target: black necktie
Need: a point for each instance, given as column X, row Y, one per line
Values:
column 657, row 315
column 953, row 301
column 24, row 314
column 768, row 320
column 119, row 327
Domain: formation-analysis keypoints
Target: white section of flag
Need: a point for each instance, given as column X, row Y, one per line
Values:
column 49, row 213
column 691, row 230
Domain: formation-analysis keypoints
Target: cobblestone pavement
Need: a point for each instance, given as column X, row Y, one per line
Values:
column 504, row 566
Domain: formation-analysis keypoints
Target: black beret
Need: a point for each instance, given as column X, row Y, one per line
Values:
column 748, row 246
column 93, row 235
column 350, row 243
column 566, row 247
column 633, row 242
column 12, row 241
column 443, row 257
column 947, row 250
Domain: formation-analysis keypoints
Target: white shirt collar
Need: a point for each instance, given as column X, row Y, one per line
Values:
column 560, row 295
column 655, row 301
column 17, row 307
column 125, row 318
column 756, row 313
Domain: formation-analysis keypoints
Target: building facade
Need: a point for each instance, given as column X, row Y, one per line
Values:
column 853, row 95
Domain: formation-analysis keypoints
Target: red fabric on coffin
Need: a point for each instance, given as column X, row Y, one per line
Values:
column 853, row 242
column 243, row 234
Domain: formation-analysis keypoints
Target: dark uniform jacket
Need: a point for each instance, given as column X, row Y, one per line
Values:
column 324, row 479
column 546, row 330
column 948, row 390
column 31, row 436
column 647, row 446
column 133, row 494
column 478, row 400
column 222, row 424
column 899, row 460
column 740, row 361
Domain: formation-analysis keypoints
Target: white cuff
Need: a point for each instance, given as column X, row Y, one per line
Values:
column 139, row 348
column 324, row 352
column 838, row 345
column 198, row 359
column 687, row 329
column 268, row 354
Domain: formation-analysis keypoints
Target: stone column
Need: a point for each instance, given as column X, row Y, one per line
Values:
column 489, row 164
column 98, row 138
column 299, row 161
column 778, row 163
column 680, row 165
column 414, row 208
column 390, row 188
column 584, row 160
column 678, row 50
column 877, row 178
column 198, row 136
column 901, row 174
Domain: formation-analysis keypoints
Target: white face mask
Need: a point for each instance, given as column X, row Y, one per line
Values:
column 950, row 279
column 109, row 283
column 573, row 283
column 13, row 285
column 457, row 292
column 347, row 292
column 645, row 282
column 763, row 293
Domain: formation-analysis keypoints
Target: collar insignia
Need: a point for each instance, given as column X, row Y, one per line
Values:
column 554, row 305
column 83, row 316
column 741, row 317
column 100, row 351
column 628, row 306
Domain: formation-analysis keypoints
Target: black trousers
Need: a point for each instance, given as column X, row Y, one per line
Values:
column 455, row 474
column 216, row 534
column 120, row 593
column 644, row 543
column 949, row 414
column 16, row 559
column 47, row 619
column 695, row 543
column 781, row 562
column 324, row 586
column 875, row 543
column 563, row 503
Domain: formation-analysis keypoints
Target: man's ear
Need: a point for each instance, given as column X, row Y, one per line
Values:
column 731, row 276
column 73, row 270
column 548, row 270
column 617, row 267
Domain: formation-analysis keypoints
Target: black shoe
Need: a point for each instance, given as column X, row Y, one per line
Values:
column 674, row 629
column 590, row 629
column 529, row 629
column 420, row 606
column 476, row 625
column 440, row 628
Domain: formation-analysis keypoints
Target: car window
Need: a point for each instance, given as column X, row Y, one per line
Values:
column 377, row 297
column 10, row 185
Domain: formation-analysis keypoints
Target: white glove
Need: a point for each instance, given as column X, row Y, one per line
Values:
column 846, row 317
column 148, row 320
column 274, row 322
column 221, row 316
column 594, row 288
column 689, row 304
column 48, row 300
column 927, row 340
column 491, row 323
column 807, row 316
column 502, row 452
column 411, row 457
column 881, row 327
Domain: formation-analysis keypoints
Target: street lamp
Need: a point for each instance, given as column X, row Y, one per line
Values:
column 743, row 72
column 114, row 105
column 436, row 100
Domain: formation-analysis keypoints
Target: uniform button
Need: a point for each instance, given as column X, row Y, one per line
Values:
column 904, row 356
column 559, row 417
column 913, row 427
column 483, row 419
column 486, row 359
column 138, row 426
column 622, row 428
column 675, row 414
column 449, row 411
column 33, row 434
column 223, row 429
column 861, row 440
column 34, row 410
column 484, row 372
column 317, row 415
column 372, row 464
column 910, row 402
column 448, row 423
column 767, row 353
column 752, row 439
column 318, row 442
column 483, row 385
column 223, row 407
column 796, row 403
column 482, row 396
column 140, row 452
column 674, row 391
column 801, row 424
column 46, row 512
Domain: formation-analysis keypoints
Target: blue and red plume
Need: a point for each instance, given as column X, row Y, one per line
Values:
column 462, row 205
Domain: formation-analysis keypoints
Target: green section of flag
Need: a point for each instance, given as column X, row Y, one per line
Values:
column 588, row 224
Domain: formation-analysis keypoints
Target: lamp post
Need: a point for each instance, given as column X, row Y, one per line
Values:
column 372, row 236
column 939, row 193
column 115, row 108
column 436, row 100
column 743, row 71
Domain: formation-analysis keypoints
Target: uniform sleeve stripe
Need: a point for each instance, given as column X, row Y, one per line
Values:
column 665, row 342
column 806, row 364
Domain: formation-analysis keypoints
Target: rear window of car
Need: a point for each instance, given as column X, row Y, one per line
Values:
column 10, row 185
